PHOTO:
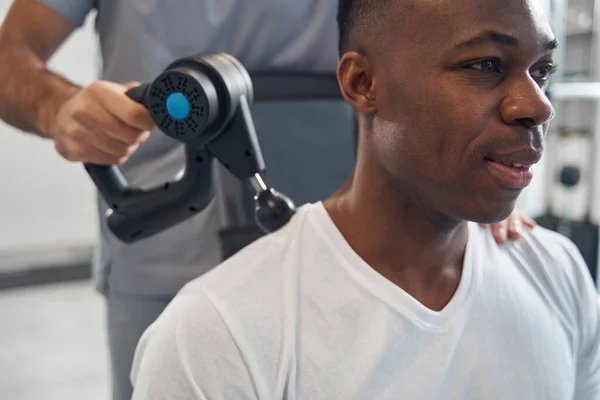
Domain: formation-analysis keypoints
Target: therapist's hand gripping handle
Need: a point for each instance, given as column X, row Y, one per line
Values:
column 136, row 214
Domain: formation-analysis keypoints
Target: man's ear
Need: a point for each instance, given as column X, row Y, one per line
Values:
column 355, row 77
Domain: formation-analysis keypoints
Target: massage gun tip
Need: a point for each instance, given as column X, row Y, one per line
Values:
column 273, row 210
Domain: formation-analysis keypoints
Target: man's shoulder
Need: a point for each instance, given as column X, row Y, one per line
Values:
column 259, row 270
column 234, row 311
column 550, row 248
column 549, row 262
column 536, row 247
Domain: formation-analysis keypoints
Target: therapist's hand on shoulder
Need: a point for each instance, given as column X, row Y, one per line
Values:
column 511, row 228
column 100, row 124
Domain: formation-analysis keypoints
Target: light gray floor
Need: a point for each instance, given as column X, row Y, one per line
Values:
column 53, row 343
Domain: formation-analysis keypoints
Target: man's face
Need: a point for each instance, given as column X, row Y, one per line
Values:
column 460, row 104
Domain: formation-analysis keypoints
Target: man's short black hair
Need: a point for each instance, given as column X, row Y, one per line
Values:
column 343, row 20
column 352, row 14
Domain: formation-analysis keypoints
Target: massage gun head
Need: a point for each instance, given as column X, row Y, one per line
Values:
column 196, row 97
column 273, row 210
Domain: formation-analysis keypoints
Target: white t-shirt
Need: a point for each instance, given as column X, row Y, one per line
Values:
column 299, row 315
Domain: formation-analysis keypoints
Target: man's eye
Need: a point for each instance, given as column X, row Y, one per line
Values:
column 544, row 72
column 490, row 66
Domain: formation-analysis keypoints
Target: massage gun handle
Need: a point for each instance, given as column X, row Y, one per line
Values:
column 135, row 213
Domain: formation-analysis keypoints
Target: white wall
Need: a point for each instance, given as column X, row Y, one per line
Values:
column 47, row 204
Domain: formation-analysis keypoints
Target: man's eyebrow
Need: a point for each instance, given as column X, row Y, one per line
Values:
column 501, row 38
column 490, row 36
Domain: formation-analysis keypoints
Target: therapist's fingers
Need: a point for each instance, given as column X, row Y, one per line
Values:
column 528, row 222
column 515, row 228
column 511, row 228
column 500, row 231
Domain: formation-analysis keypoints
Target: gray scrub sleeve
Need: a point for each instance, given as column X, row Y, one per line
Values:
column 74, row 10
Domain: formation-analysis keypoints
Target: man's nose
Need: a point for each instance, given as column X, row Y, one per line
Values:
column 526, row 104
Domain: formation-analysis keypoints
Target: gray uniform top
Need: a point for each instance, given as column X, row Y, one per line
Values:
column 138, row 39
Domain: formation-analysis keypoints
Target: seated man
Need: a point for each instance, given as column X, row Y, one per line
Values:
column 390, row 289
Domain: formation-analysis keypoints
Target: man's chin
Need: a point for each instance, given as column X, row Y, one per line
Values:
column 489, row 215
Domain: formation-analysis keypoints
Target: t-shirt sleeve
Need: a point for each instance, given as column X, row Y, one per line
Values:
column 588, row 368
column 588, row 319
column 588, row 365
column 189, row 353
column 74, row 10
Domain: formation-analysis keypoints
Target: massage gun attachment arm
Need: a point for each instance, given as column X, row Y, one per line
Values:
column 238, row 150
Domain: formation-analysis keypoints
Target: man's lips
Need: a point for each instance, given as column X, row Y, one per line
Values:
column 513, row 170
column 511, row 177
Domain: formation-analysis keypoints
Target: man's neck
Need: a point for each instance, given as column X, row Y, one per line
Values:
column 412, row 246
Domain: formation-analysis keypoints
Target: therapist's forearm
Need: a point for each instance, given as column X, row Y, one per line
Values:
column 30, row 94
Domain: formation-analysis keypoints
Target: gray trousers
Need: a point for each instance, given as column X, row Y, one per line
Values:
column 128, row 316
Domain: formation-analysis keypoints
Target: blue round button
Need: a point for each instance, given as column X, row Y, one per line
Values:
column 178, row 106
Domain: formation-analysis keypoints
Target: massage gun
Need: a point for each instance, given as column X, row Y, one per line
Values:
column 202, row 101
